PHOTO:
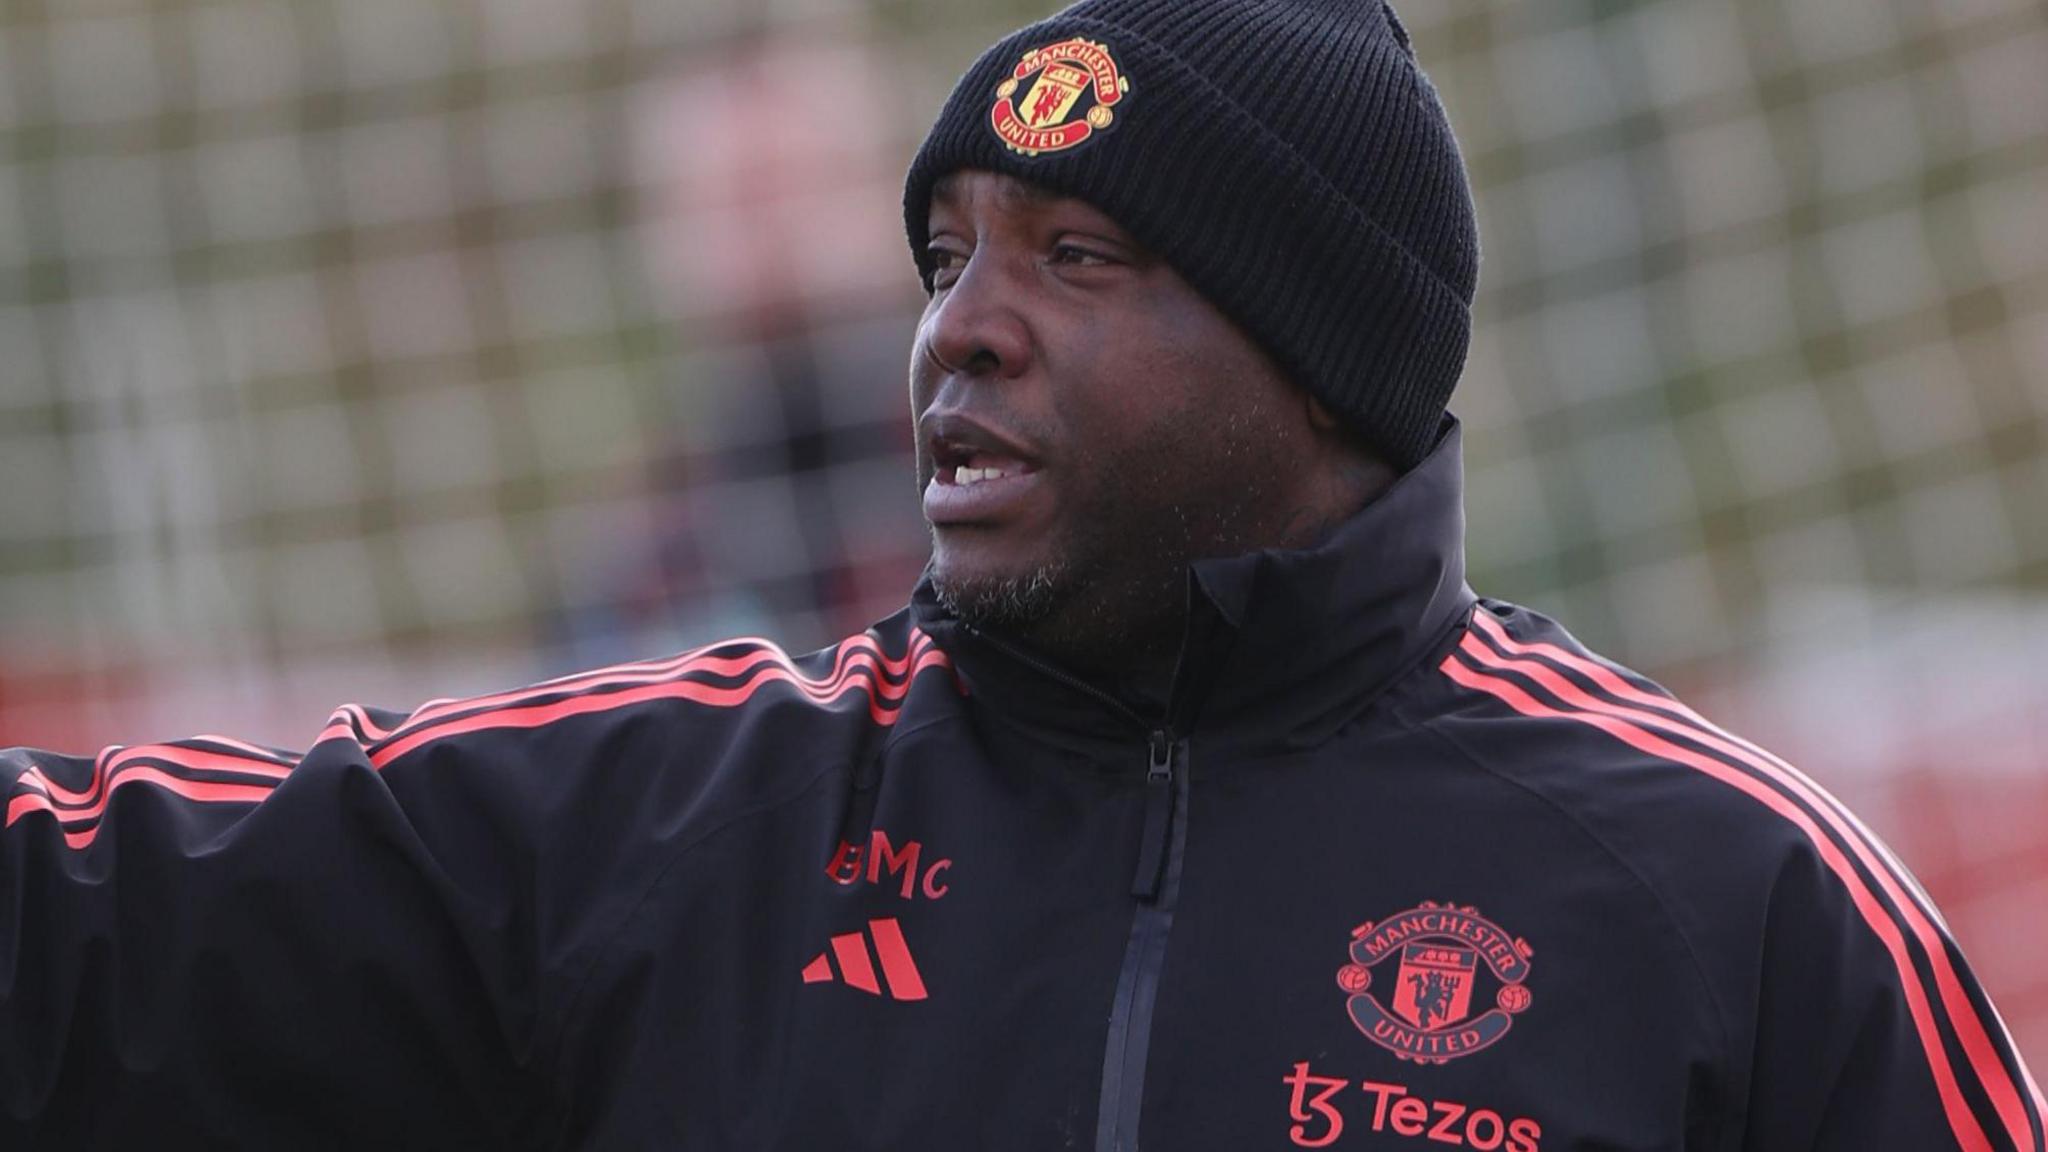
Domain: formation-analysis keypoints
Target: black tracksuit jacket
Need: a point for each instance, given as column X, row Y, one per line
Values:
column 1395, row 868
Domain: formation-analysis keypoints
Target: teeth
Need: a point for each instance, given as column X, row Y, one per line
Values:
column 977, row 475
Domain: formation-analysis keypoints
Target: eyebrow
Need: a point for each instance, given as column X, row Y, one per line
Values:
column 1009, row 188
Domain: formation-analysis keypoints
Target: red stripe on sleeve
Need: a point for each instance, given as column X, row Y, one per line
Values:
column 1920, row 919
column 703, row 660
column 204, row 791
column 1969, row 1134
column 863, row 671
column 115, row 760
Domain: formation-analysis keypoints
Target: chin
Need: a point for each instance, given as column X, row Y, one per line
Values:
column 1003, row 597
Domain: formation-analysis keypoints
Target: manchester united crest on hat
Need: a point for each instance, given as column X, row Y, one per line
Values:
column 1057, row 97
column 1423, row 1007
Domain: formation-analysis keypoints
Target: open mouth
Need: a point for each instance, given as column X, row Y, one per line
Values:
column 957, row 463
column 974, row 483
column 981, row 470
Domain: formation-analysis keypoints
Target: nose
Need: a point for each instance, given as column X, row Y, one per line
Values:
column 976, row 326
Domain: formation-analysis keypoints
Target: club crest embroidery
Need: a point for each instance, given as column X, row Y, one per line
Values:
column 1427, row 965
column 1057, row 97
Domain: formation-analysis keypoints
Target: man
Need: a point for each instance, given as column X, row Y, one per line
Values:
column 1194, row 802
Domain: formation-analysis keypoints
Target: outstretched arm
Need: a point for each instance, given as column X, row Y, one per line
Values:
column 211, row 941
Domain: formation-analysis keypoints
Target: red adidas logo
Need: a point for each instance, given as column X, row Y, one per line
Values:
column 851, row 951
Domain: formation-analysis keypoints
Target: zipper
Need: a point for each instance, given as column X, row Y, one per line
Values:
column 1156, row 886
column 1154, row 841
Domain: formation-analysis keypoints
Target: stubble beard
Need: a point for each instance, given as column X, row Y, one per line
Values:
column 1007, row 603
column 1113, row 595
column 1082, row 608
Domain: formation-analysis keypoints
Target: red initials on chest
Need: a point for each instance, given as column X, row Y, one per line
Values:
column 853, row 863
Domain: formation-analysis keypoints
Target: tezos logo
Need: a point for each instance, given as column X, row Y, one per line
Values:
column 1426, row 1016
column 1077, row 86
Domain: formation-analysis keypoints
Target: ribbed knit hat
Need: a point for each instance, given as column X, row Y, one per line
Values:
column 1287, row 157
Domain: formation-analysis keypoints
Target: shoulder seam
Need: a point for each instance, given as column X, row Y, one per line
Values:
column 897, row 734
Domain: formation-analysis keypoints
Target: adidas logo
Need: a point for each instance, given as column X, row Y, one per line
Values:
column 850, row 949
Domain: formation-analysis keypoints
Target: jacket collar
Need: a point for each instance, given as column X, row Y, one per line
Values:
column 1282, row 648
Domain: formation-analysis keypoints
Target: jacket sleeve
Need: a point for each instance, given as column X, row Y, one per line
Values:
column 208, row 943
column 1871, row 1030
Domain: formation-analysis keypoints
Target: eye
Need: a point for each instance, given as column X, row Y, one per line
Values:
column 945, row 264
column 1079, row 256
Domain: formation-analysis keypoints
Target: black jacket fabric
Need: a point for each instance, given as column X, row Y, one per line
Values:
column 1394, row 868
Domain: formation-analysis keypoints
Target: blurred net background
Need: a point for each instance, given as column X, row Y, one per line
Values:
column 385, row 349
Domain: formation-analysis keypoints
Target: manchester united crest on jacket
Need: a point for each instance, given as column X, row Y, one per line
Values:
column 1437, row 952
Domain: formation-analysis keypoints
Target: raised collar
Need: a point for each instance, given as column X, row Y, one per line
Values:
column 1282, row 648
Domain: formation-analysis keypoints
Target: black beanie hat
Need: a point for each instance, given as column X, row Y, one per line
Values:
column 1287, row 157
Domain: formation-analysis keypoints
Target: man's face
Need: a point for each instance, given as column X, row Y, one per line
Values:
column 1086, row 424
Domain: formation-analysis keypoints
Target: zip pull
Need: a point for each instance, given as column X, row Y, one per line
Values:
column 1158, row 832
